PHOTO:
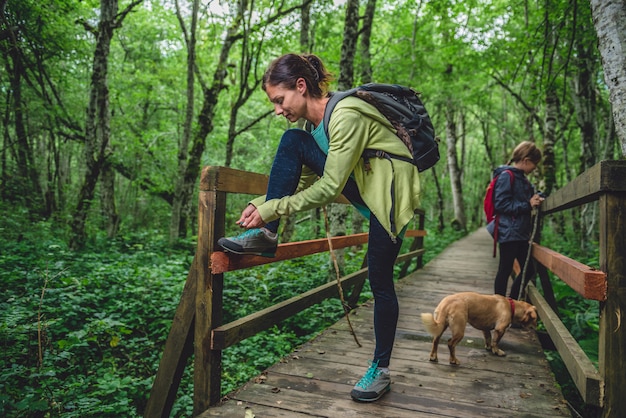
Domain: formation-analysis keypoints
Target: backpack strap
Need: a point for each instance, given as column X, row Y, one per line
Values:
column 497, row 218
column 335, row 98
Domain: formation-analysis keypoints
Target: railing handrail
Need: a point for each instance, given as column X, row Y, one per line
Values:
column 605, row 182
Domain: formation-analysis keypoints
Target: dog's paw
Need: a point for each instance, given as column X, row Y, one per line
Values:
column 454, row 362
column 498, row 352
column 434, row 359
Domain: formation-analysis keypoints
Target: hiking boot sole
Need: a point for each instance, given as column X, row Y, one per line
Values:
column 362, row 399
column 267, row 254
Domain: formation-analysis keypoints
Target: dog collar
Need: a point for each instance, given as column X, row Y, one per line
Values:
column 512, row 303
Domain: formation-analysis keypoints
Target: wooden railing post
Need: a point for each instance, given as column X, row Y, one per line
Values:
column 209, row 292
column 612, row 338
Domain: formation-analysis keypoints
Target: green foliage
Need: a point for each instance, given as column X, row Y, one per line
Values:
column 82, row 333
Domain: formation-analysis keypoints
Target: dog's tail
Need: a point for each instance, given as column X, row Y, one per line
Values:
column 433, row 327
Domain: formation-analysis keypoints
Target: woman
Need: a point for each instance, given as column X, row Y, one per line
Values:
column 514, row 199
column 310, row 171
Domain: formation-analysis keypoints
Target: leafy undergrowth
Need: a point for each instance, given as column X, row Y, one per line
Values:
column 82, row 333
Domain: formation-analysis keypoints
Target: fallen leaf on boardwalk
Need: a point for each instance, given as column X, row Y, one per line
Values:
column 309, row 375
column 260, row 379
column 249, row 413
column 480, row 400
column 525, row 395
column 321, row 352
column 275, row 390
column 295, row 357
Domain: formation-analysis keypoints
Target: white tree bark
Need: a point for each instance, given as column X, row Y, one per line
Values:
column 609, row 19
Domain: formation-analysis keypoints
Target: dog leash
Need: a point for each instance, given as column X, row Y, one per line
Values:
column 524, row 284
column 346, row 308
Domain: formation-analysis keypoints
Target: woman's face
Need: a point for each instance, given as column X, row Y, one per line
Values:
column 528, row 165
column 290, row 103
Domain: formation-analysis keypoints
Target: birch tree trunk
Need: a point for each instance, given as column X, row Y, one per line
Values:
column 609, row 19
column 459, row 222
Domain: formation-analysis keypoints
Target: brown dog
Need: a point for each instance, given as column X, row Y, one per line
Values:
column 483, row 312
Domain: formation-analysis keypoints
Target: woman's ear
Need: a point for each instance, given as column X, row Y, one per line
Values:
column 301, row 85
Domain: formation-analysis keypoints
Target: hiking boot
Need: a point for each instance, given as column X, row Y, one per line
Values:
column 256, row 241
column 373, row 385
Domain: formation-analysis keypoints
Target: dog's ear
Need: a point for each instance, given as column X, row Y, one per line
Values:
column 530, row 316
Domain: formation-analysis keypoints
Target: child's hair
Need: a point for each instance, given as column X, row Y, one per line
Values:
column 287, row 69
column 526, row 149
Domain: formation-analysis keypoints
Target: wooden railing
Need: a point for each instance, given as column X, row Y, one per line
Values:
column 601, row 387
column 197, row 328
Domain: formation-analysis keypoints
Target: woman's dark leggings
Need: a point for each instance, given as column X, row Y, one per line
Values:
column 297, row 148
column 509, row 252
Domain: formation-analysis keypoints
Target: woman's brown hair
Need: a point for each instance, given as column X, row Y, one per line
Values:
column 287, row 69
column 526, row 149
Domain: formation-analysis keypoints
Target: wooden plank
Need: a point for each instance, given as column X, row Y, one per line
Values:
column 588, row 282
column 410, row 255
column 178, row 348
column 230, row 180
column 222, row 262
column 612, row 347
column 208, row 302
column 238, row 330
column 604, row 177
column 584, row 374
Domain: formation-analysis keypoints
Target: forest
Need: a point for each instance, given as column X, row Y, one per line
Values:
column 111, row 108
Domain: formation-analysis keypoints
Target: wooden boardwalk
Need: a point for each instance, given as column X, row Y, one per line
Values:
column 315, row 381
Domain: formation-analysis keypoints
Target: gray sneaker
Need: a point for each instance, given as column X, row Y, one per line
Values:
column 256, row 241
column 372, row 386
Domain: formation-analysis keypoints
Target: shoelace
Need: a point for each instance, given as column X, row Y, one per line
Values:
column 371, row 374
column 249, row 232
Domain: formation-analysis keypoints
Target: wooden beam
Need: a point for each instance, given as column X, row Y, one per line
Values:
column 178, row 348
column 229, row 180
column 208, row 301
column 410, row 255
column 581, row 369
column 604, row 177
column 588, row 282
column 245, row 327
column 221, row 262
column 612, row 336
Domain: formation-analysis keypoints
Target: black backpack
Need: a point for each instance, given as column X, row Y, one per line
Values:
column 406, row 112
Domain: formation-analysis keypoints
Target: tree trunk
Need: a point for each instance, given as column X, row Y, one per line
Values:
column 609, row 19
column 549, row 139
column 459, row 221
column 366, row 77
column 366, row 35
column 28, row 182
column 306, row 44
column 583, row 90
column 107, row 201
column 178, row 204
column 97, row 125
column 338, row 213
